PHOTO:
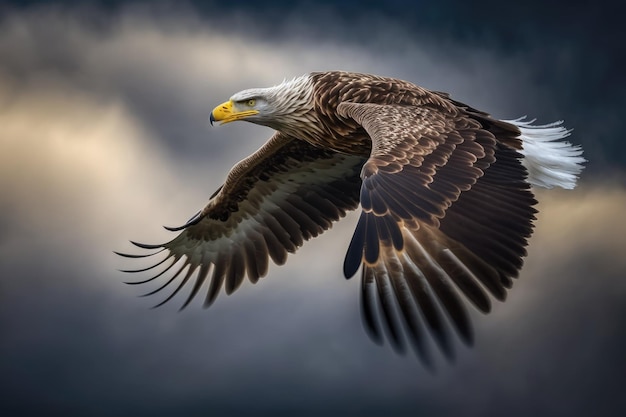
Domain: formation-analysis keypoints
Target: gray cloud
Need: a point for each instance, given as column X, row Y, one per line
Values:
column 104, row 138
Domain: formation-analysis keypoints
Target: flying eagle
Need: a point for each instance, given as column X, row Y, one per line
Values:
column 445, row 192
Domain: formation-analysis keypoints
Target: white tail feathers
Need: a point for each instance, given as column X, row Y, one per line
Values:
column 550, row 161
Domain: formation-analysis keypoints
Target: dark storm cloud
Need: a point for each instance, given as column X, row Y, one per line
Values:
column 104, row 137
column 564, row 52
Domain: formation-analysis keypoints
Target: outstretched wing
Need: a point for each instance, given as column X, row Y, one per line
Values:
column 271, row 202
column 446, row 211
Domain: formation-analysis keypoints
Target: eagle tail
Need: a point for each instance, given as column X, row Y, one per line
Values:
column 550, row 161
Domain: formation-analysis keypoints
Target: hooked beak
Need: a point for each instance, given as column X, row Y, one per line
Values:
column 226, row 113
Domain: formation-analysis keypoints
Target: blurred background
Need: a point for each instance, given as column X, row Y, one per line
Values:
column 104, row 137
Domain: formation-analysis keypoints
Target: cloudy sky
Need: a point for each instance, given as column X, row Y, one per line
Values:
column 104, row 138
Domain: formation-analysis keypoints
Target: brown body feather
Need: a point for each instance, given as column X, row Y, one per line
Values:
column 446, row 209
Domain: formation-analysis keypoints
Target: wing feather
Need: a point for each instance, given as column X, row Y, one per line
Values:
column 270, row 204
column 236, row 269
column 407, row 306
column 200, row 279
column 217, row 280
column 368, row 309
column 387, row 303
column 446, row 213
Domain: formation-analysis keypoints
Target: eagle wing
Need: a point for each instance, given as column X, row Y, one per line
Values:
column 270, row 203
column 446, row 211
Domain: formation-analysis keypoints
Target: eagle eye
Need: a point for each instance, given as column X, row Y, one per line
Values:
column 251, row 102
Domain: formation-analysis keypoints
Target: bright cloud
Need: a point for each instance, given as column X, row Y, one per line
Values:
column 104, row 137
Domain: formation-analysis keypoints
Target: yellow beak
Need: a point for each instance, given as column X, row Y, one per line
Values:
column 226, row 113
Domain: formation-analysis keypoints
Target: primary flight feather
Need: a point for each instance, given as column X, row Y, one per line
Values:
column 445, row 193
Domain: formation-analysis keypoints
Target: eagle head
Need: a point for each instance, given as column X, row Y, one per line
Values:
column 279, row 107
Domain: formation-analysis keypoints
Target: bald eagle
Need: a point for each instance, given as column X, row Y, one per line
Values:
column 445, row 192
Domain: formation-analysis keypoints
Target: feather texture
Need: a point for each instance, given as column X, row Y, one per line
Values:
column 445, row 192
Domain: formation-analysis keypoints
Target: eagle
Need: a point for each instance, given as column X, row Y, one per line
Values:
column 445, row 192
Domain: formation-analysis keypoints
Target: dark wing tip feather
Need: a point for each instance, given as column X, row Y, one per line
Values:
column 368, row 313
column 190, row 272
column 136, row 256
column 176, row 228
column 132, row 271
column 467, row 335
column 354, row 255
column 174, row 258
column 387, row 307
column 202, row 275
column 372, row 238
column 147, row 246
column 172, row 278
column 195, row 219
